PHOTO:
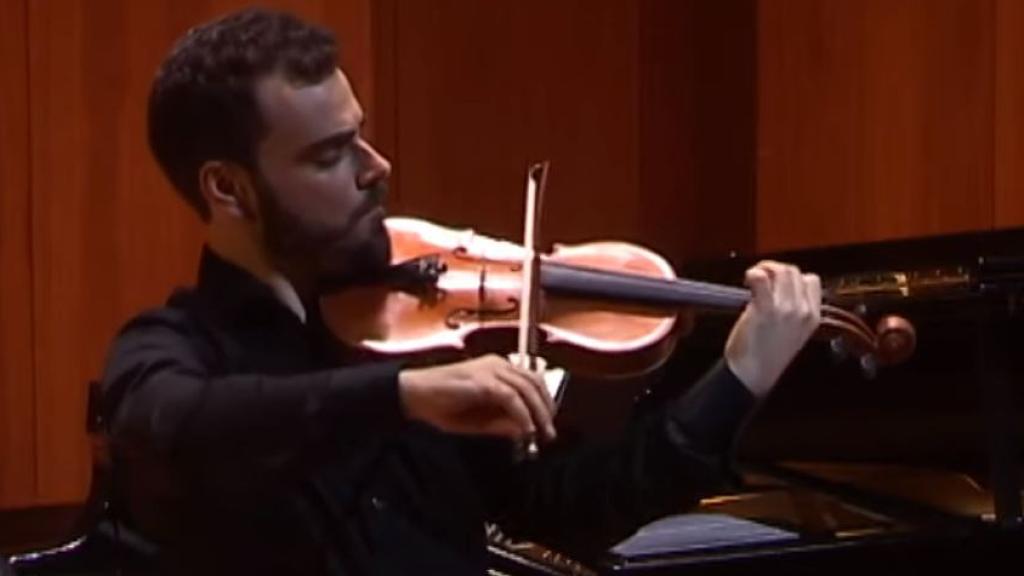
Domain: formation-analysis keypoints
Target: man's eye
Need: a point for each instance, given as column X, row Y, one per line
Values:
column 328, row 158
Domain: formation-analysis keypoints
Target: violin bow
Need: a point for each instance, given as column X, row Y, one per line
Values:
column 536, row 180
column 528, row 345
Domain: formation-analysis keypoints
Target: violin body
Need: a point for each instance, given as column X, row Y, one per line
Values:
column 468, row 299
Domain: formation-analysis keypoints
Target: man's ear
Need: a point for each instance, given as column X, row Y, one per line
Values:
column 228, row 190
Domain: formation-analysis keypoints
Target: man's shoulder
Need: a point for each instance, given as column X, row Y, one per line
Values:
column 177, row 314
column 172, row 335
column 181, row 328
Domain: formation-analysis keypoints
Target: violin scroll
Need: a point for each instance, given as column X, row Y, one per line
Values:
column 892, row 341
column 897, row 339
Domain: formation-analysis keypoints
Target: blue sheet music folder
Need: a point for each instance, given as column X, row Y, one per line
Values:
column 698, row 532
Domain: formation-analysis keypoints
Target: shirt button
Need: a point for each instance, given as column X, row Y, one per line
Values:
column 378, row 504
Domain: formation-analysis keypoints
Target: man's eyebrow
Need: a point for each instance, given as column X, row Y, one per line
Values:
column 337, row 140
column 333, row 141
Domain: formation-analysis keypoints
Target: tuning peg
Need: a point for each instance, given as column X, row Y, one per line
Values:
column 838, row 349
column 897, row 339
column 869, row 366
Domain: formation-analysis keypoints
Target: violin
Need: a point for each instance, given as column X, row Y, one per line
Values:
column 604, row 308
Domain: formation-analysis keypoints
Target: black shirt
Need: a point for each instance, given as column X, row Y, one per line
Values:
column 245, row 444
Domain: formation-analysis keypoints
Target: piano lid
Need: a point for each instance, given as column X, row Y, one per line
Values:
column 961, row 292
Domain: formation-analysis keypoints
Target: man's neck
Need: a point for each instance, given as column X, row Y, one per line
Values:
column 257, row 263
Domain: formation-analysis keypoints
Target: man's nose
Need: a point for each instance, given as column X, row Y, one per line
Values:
column 374, row 168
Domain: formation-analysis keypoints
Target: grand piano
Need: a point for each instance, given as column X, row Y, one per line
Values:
column 908, row 468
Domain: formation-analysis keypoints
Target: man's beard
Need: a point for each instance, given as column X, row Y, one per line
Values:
column 330, row 257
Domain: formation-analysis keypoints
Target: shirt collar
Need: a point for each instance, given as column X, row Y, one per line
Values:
column 231, row 291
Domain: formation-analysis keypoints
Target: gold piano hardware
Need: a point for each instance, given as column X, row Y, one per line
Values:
column 898, row 284
column 554, row 561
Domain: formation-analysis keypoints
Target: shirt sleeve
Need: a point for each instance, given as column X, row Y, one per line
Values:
column 583, row 499
column 161, row 394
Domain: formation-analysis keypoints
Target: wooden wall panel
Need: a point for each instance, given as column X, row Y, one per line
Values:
column 697, row 118
column 1009, row 114
column 875, row 120
column 17, row 409
column 484, row 88
column 109, row 236
column 646, row 110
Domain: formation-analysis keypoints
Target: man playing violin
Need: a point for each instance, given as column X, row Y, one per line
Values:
column 247, row 442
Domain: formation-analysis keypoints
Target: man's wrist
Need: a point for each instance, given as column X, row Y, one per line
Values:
column 750, row 373
column 410, row 385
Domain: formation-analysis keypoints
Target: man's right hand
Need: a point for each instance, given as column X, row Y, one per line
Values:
column 483, row 396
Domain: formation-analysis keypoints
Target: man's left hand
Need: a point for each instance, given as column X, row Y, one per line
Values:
column 783, row 313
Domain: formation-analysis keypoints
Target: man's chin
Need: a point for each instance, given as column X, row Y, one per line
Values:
column 364, row 263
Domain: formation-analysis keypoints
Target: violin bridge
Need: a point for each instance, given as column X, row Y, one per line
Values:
column 555, row 379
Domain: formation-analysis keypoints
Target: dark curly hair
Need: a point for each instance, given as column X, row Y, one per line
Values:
column 202, row 105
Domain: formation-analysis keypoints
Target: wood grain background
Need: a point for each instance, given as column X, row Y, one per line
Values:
column 695, row 127
column 17, row 406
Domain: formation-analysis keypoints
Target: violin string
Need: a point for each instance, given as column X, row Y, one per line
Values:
column 711, row 294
